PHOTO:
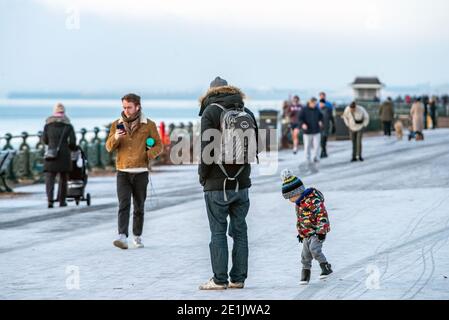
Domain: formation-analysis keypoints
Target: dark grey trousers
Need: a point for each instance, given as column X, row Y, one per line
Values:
column 131, row 185
column 387, row 128
column 312, row 249
column 356, row 138
column 50, row 178
column 218, row 210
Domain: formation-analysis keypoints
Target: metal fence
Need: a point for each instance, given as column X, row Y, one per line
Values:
column 28, row 161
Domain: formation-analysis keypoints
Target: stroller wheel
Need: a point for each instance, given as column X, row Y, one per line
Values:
column 77, row 201
column 88, row 199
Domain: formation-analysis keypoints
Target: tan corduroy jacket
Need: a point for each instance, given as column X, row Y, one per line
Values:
column 131, row 149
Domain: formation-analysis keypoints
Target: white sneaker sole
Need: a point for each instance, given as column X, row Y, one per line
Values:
column 212, row 289
column 304, row 283
column 236, row 287
column 139, row 246
column 326, row 277
column 120, row 244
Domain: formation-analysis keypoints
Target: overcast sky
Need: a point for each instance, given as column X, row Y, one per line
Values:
column 105, row 45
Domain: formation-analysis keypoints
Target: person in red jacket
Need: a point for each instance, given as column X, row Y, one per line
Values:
column 312, row 223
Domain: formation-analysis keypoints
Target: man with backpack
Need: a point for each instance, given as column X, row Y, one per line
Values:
column 224, row 172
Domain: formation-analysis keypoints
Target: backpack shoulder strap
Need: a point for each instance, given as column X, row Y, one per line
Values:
column 62, row 137
column 218, row 105
column 231, row 179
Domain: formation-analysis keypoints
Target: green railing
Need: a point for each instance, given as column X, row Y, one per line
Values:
column 28, row 161
column 401, row 110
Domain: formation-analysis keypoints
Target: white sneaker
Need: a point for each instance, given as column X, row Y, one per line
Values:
column 138, row 242
column 211, row 285
column 121, row 242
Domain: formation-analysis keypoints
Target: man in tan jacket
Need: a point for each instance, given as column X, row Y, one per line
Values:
column 130, row 137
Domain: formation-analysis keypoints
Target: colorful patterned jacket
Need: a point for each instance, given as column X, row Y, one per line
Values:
column 311, row 214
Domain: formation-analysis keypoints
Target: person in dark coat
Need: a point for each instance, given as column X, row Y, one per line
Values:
column 328, row 125
column 311, row 121
column 386, row 114
column 58, row 128
column 225, row 197
column 425, row 101
column 433, row 112
column 293, row 114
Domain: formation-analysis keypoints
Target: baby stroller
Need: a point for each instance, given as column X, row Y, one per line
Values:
column 78, row 178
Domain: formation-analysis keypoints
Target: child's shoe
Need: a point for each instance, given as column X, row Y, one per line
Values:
column 305, row 277
column 325, row 270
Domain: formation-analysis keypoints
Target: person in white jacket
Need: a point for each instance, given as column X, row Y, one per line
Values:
column 356, row 119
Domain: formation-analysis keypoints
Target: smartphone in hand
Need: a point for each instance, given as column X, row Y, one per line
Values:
column 121, row 128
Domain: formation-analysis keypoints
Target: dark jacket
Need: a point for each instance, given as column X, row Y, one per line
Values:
column 211, row 177
column 433, row 108
column 51, row 137
column 328, row 119
column 311, row 117
column 386, row 111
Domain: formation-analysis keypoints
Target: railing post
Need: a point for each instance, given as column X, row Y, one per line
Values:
column 8, row 138
column 40, row 143
column 25, row 150
column 83, row 142
column 106, row 157
column 96, row 147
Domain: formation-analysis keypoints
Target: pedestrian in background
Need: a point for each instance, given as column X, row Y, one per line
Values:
column 356, row 119
column 386, row 113
column 60, row 138
column 311, row 122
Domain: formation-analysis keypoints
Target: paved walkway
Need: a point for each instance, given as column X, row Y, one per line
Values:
column 389, row 216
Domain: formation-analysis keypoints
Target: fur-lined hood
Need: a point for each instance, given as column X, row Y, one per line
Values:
column 56, row 119
column 217, row 92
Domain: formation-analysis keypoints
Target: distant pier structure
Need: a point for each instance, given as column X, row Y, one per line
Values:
column 367, row 89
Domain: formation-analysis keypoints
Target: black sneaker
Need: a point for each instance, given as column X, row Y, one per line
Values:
column 361, row 159
column 64, row 204
column 305, row 277
column 325, row 270
column 354, row 160
column 50, row 205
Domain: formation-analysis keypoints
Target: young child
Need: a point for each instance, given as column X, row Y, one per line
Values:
column 312, row 224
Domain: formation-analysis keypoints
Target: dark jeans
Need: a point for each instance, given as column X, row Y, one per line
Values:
column 50, row 178
column 135, row 185
column 433, row 116
column 356, row 138
column 218, row 210
column 425, row 119
column 323, row 144
column 387, row 128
